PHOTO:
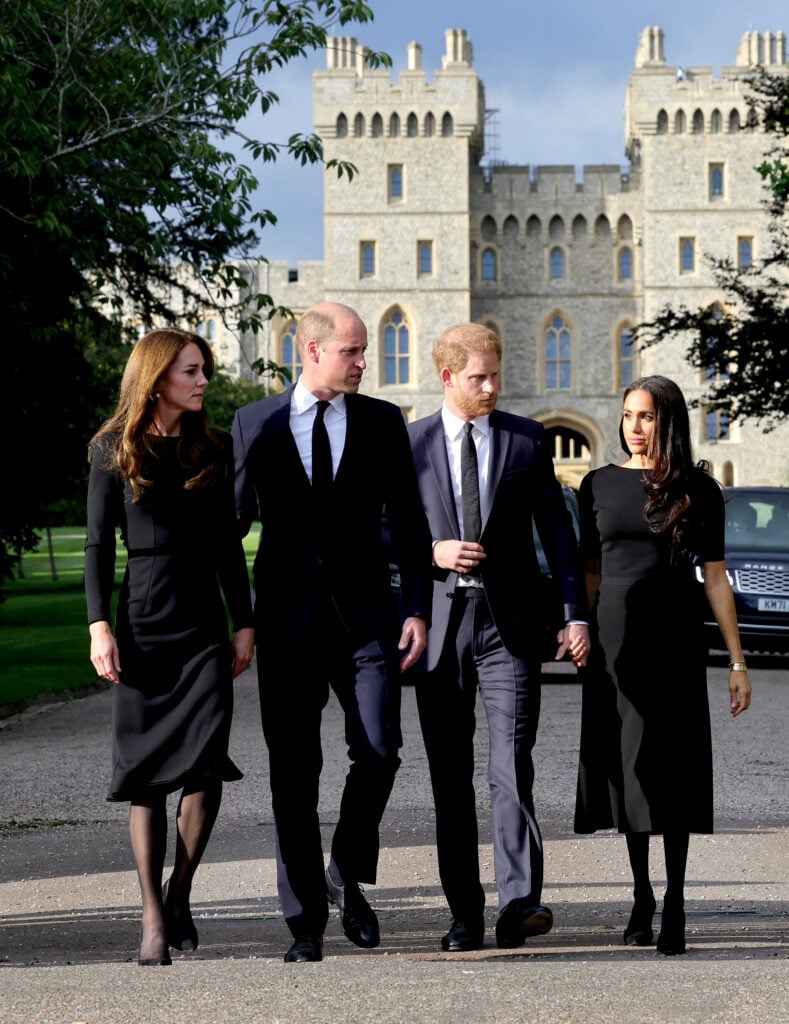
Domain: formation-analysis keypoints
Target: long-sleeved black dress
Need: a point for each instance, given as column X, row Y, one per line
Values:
column 646, row 752
column 173, row 706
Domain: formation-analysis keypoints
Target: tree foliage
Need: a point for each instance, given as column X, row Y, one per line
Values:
column 119, row 134
column 744, row 349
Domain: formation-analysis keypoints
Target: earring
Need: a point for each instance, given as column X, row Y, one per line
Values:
column 154, row 396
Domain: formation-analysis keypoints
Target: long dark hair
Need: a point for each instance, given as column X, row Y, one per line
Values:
column 668, row 481
column 129, row 427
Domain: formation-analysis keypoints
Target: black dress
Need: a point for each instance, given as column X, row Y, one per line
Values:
column 173, row 706
column 646, row 752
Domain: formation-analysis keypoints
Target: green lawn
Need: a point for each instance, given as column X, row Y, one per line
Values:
column 44, row 643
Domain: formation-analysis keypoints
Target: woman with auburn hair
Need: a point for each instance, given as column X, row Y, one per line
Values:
column 165, row 479
column 646, row 752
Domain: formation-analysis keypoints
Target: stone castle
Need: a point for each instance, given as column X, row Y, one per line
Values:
column 428, row 235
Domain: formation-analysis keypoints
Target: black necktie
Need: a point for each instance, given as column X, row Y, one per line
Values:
column 469, row 486
column 322, row 474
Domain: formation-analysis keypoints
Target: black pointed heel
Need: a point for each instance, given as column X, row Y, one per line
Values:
column 164, row 961
column 671, row 940
column 639, row 927
column 181, row 934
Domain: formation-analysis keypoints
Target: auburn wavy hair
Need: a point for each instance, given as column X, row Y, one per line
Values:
column 127, row 436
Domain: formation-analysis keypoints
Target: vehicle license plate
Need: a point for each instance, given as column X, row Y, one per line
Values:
column 773, row 604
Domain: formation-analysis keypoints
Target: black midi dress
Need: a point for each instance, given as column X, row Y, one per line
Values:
column 645, row 752
column 172, row 709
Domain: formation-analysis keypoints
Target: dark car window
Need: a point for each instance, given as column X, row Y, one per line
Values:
column 757, row 522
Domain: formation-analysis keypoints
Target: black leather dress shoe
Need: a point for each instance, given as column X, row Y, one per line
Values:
column 518, row 921
column 306, row 949
column 356, row 915
column 463, row 936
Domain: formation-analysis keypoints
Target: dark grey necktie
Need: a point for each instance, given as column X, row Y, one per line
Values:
column 322, row 473
column 469, row 486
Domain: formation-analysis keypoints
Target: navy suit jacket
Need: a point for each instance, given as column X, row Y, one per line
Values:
column 303, row 551
column 521, row 487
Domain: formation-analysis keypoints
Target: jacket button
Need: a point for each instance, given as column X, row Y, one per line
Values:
column 449, row 594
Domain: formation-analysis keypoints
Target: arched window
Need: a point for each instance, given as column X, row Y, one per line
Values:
column 625, row 356
column 727, row 474
column 533, row 228
column 211, row 330
column 718, row 370
column 511, row 227
column 289, row 355
column 397, row 344
column 557, row 264
column 662, row 123
column 488, row 265
column 580, row 228
column 734, row 121
column 557, row 355
column 430, row 125
column 342, row 126
column 698, row 123
column 744, row 253
column 377, row 126
column 556, row 229
column 395, row 181
column 602, row 229
column 367, row 258
column 625, row 264
column 358, row 126
column 425, row 258
column 412, row 126
column 716, row 122
column 394, row 126
column 716, row 180
column 679, row 122
column 447, row 128
column 624, row 228
column 488, row 228
column 687, row 255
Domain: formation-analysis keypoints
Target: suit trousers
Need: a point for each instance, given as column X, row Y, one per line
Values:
column 474, row 658
column 295, row 681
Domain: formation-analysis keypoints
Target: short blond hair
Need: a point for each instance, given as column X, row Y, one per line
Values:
column 319, row 324
column 456, row 344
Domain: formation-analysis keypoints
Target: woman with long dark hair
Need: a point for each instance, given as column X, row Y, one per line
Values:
column 162, row 477
column 646, row 753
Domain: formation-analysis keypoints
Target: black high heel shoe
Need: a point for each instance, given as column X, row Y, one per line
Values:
column 671, row 940
column 164, row 961
column 639, row 927
column 181, row 933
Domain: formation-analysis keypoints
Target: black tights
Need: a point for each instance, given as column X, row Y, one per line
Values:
column 197, row 811
column 675, row 850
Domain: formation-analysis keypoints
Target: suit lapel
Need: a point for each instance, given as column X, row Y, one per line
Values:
column 436, row 450
column 279, row 427
column 500, row 442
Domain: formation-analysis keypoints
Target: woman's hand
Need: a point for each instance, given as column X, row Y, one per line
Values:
column 740, row 692
column 104, row 651
column 243, row 647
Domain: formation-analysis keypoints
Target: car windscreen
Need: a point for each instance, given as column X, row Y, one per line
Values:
column 757, row 522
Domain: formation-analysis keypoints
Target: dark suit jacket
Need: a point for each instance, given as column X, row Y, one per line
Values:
column 302, row 551
column 521, row 487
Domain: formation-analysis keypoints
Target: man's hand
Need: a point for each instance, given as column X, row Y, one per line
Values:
column 574, row 639
column 413, row 639
column 458, row 555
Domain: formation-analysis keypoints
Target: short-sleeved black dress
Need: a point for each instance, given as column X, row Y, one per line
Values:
column 646, row 752
column 173, row 706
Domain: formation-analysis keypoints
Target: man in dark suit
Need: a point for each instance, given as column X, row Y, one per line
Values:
column 483, row 477
column 318, row 465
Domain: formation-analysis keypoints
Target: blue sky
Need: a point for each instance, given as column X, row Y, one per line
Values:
column 556, row 72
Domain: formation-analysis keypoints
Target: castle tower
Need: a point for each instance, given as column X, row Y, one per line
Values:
column 397, row 236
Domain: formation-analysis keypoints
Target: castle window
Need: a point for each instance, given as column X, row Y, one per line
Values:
column 625, row 264
column 366, row 259
column 580, row 228
column 447, row 128
column 717, row 425
column 430, row 125
column 488, row 265
column 625, row 357
column 557, row 264
column 556, row 229
column 662, row 123
column 342, row 126
column 377, row 126
column 412, row 126
column 397, row 346
column 511, row 227
column 289, row 355
column 211, row 330
column 424, row 254
column 716, row 181
column 358, row 126
column 394, row 126
column 744, row 252
column 679, row 122
column 395, row 179
column 557, row 355
column 716, row 122
column 488, row 228
column 687, row 255
column 624, row 228
column 734, row 122
column 698, row 123
column 533, row 228
column 751, row 121
column 719, row 371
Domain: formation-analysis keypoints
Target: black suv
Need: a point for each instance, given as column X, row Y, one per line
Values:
column 757, row 564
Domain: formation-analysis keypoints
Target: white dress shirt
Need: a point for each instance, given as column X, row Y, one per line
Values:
column 302, row 417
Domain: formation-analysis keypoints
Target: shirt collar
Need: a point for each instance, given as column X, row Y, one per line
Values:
column 453, row 425
column 303, row 400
